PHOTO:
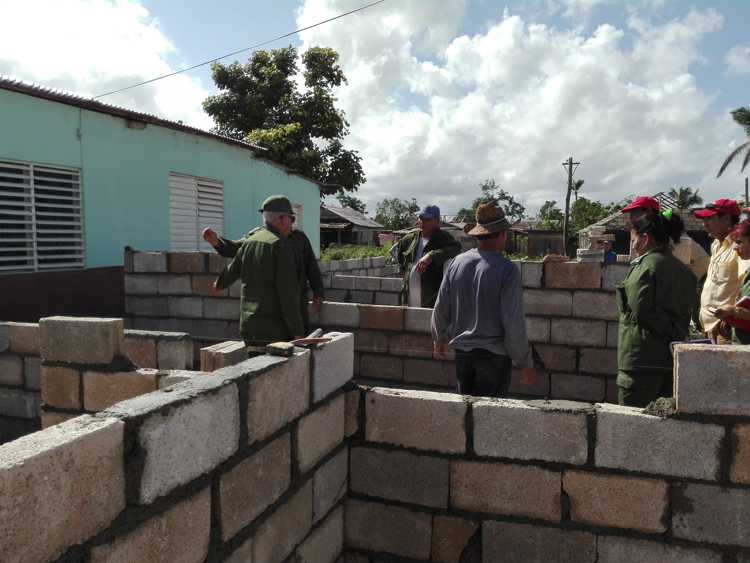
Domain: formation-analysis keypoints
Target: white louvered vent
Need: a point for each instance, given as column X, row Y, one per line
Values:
column 41, row 223
column 299, row 214
column 194, row 204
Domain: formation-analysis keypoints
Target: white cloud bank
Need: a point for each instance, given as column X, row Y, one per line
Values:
column 738, row 59
column 433, row 113
column 94, row 46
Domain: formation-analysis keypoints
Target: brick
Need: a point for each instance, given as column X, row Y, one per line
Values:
column 613, row 274
column 501, row 488
column 535, row 430
column 450, row 536
column 575, row 332
column 537, row 329
column 320, row 432
column 614, row 549
column 278, row 397
column 617, row 502
column 285, row 528
column 351, row 424
column 175, row 285
column 740, row 472
column 178, row 534
column 80, row 339
column 102, row 390
column 339, row 315
column 375, row 341
column 508, row 541
column 333, row 364
column 141, row 285
column 595, row 305
column 61, row 387
column 376, row 366
column 400, row 476
column 572, row 275
column 11, row 370
column 430, row 372
column 204, row 286
column 330, row 484
column 726, row 392
column 418, row 320
column 391, row 529
column 577, row 387
column 411, row 345
column 342, row 282
column 149, row 262
column 326, row 542
column 147, row 306
column 188, row 307
column 43, row 513
column 630, row 440
column 182, row 434
column 32, row 372
column 599, row 360
column 558, row 358
column 612, row 335
column 253, row 485
column 186, row 262
column 381, row 317
column 531, row 274
column 708, row 513
column 214, row 308
column 367, row 283
column 19, row 403
column 216, row 263
column 416, row 419
column 174, row 354
column 548, row 302
column 141, row 351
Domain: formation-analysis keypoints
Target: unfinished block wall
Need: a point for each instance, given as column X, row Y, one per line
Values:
column 19, row 380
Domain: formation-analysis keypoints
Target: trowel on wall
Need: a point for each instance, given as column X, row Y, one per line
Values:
column 286, row 349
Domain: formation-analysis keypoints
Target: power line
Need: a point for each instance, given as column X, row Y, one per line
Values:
column 252, row 47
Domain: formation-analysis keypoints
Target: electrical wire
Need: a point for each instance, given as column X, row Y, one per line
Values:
column 252, row 47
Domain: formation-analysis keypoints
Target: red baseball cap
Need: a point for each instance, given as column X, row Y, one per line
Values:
column 728, row 206
column 642, row 202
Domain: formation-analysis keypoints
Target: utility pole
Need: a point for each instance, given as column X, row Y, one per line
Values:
column 571, row 167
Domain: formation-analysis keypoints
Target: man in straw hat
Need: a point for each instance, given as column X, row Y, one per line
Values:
column 480, row 313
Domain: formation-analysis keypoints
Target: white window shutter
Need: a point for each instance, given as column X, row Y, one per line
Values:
column 299, row 213
column 210, row 209
column 194, row 204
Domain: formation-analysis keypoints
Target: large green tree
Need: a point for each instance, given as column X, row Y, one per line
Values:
column 686, row 197
column 346, row 200
column 491, row 190
column 585, row 212
column 741, row 116
column 550, row 216
column 395, row 214
column 263, row 102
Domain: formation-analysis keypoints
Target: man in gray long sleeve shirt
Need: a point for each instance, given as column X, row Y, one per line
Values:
column 480, row 313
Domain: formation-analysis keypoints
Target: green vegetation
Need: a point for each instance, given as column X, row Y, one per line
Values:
column 351, row 251
column 741, row 117
column 491, row 190
column 396, row 214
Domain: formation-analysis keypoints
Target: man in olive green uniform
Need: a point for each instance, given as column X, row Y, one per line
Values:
column 421, row 254
column 266, row 264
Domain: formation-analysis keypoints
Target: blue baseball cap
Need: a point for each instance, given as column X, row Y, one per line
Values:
column 429, row 212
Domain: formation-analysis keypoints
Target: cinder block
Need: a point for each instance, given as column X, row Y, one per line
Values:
column 726, row 392
column 531, row 274
column 612, row 391
column 204, row 286
column 61, row 387
column 595, row 305
column 548, row 302
column 24, row 338
column 391, row 529
column 508, row 541
column 501, row 488
column 740, row 472
column 149, row 262
column 253, row 485
column 612, row 335
column 630, row 440
column 400, row 476
column 187, row 307
column 351, row 425
column 228, row 309
column 182, row 434
column 411, row 345
column 216, row 263
column 381, row 318
column 102, row 390
column 141, row 351
column 141, row 285
column 375, row 341
column 11, row 370
column 538, row 329
column 599, row 360
column 578, row 387
column 50, row 418
column 367, row 284
column 430, row 372
column 418, row 320
column 362, row 297
column 614, row 501
column 42, row 512
column 326, row 542
column 579, row 332
column 573, row 275
column 613, row 274
column 175, row 285
column 344, row 315
column 708, row 513
column 187, row 262
column 416, row 419
column 450, row 536
column 80, row 339
column 19, row 403
column 147, row 306
column 540, row 388
column 32, row 372
column 342, row 282
column 175, row 354
column 285, row 528
column 333, row 265
column 278, row 397
column 320, row 432
column 377, row 261
column 330, row 484
column 243, row 554
column 535, row 430
column 558, row 358
column 614, row 549
column 4, row 337
column 235, row 290
column 375, row 366
column 333, row 364
column 178, row 534
column 391, row 284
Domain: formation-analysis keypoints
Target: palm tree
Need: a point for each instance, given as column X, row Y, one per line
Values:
column 685, row 197
column 741, row 116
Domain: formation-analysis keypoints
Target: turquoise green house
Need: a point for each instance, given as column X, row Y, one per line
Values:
column 80, row 180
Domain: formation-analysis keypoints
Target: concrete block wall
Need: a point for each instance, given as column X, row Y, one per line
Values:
column 366, row 267
column 250, row 465
column 19, row 380
column 434, row 476
column 363, row 289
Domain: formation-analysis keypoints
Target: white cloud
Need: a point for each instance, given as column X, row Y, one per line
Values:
column 94, row 46
column 433, row 115
column 738, row 59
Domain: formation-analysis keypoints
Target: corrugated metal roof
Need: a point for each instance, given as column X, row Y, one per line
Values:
column 352, row 216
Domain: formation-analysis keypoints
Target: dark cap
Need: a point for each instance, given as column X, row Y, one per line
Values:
column 429, row 212
column 277, row 204
column 728, row 206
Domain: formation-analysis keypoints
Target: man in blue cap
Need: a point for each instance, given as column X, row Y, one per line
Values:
column 421, row 254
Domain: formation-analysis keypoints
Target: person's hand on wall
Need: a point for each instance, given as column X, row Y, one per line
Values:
column 440, row 349
column 424, row 263
column 528, row 376
column 317, row 303
column 217, row 291
column 210, row 236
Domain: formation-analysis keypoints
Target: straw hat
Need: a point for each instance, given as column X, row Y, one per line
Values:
column 490, row 219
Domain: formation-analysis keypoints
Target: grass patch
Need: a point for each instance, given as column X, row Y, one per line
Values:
column 353, row 251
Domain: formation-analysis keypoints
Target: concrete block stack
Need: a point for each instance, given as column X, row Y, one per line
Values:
column 19, row 380
column 369, row 290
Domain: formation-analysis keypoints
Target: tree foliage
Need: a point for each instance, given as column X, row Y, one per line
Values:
column 741, row 117
column 550, row 216
column 262, row 102
column 346, row 200
column 686, row 197
column 395, row 214
column 491, row 190
column 585, row 212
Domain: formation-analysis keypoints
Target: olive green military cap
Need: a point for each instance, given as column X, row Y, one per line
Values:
column 277, row 204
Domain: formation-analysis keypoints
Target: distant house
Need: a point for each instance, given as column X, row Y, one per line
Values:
column 527, row 238
column 343, row 225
